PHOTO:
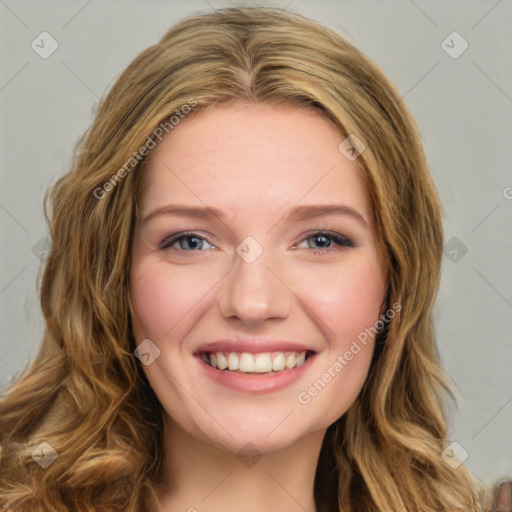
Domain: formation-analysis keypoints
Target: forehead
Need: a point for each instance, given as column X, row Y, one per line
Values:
column 252, row 158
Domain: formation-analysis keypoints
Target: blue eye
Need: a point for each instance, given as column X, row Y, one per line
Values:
column 187, row 242
column 193, row 242
column 323, row 238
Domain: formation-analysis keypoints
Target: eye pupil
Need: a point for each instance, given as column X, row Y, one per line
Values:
column 321, row 237
column 185, row 241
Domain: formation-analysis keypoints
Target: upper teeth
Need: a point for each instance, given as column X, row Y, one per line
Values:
column 255, row 363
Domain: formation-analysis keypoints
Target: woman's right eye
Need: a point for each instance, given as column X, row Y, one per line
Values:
column 189, row 242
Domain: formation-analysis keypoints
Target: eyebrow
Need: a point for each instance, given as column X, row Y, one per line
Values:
column 296, row 213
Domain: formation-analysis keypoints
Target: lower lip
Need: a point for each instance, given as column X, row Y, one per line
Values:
column 255, row 382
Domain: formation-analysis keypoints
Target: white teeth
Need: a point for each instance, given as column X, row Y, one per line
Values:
column 247, row 362
column 279, row 363
column 232, row 361
column 222, row 364
column 290, row 361
column 262, row 363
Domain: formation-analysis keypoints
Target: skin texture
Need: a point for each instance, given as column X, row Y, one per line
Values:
column 254, row 163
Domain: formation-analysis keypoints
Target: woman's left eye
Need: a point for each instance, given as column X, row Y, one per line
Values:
column 324, row 239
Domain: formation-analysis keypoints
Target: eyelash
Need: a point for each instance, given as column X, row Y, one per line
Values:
column 337, row 238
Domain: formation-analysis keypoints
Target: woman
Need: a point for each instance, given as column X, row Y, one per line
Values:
column 201, row 352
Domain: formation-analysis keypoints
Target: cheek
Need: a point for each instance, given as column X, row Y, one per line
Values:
column 347, row 303
column 346, row 299
column 162, row 297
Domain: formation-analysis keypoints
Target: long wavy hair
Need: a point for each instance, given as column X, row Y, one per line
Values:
column 85, row 394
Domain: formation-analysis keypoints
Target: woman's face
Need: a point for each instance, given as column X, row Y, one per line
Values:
column 254, row 285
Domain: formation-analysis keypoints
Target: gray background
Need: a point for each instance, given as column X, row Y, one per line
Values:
column 463, row 106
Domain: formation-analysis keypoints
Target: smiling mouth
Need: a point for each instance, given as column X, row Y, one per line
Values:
column 264, row 362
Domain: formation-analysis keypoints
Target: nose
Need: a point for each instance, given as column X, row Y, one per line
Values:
column 255, row 292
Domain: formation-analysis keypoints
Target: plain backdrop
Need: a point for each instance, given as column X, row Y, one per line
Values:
column 451, row 62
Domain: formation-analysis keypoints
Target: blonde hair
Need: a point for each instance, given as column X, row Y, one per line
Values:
column 85, row 393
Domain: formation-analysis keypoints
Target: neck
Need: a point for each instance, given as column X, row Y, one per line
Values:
column 198, row 476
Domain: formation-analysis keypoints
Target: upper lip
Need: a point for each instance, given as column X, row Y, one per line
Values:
column 252, row 345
